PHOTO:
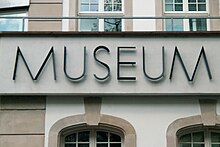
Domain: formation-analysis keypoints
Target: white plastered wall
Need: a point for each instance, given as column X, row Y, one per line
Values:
column 150, row 116
column 144, row 8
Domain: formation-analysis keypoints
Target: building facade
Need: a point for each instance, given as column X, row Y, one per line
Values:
column 68, row 80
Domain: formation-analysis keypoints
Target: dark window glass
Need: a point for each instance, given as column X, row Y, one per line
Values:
column 202, row 7
column 102, row 145
column 215, row 137
column 102, row 136
column 71, row 138
column 115, row 145
column 112, row 25
column 198, row 137
column 202, row 1
column 83, row 136
column 70, row 145
column 185, row 138
column 198, row 24
column 178, row 7
column 115, row 138
column 192, row 7
column 178, row 1
column 198, row 145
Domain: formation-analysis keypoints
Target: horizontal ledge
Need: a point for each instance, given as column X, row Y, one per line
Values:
column 153, row 34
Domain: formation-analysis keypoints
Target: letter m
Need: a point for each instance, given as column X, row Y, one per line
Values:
column 202, row 54
column 19, row 54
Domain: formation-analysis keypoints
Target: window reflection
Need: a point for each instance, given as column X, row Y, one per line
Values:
column 12, row 24
column 112, row 25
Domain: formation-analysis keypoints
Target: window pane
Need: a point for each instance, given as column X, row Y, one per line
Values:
column 198, row 137
column 101, row 136
column 12, row 24
column 117, row 1
column 201, row 0
column 102, row 145
column 185, row 145
column 215, row 145
column 88, row 25
column 168, row 1
column 215, row 137
column 174, row 25
column 83, row 145
column 178, row 7
column 83, row 136
column 108, row 1
column 94, row 7
column 178, row 1
column 117, row 7
column 115, row 145
column 192, row 7
column 84, row 7
column 70, row 145
column 87, row 1
column 112, row 25
column 185, row 138
column 71, row 138
column 169, row 7
column 94, row 1
column 198, row 145
column 201, row 24
column 191, row 1
column 115, row 138
column 202, row 7
column 108, row 7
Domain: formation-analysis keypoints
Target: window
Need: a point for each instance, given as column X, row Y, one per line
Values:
column 189, row 8
column 94, row 8
column 92, row 138
column 173, row 5
column 198, row 24
column 205, row 137
column 9, row 24
column 197, row 5
column 174, row 25
column 9, row 10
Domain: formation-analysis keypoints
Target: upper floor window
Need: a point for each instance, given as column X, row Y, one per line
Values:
column 205, row 137
column 13, row 24
column 197, row 5
column 173, row 5
column 185, row 5
column 11, row 12
column 92, row 138
column 100, row 5
column 94, row 8
column 189, row 8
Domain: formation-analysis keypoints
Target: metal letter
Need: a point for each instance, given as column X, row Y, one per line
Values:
column 124, row 63
column 84, row 68
column 102, row 63
column 51, row 53
column 160, row 77
column 202, row 53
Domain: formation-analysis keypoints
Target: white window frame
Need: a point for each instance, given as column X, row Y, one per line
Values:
column 101, row 9
column 186, row 9
column 101, row 13
column 92, row 138
column 188, row 13
column 207, row 134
